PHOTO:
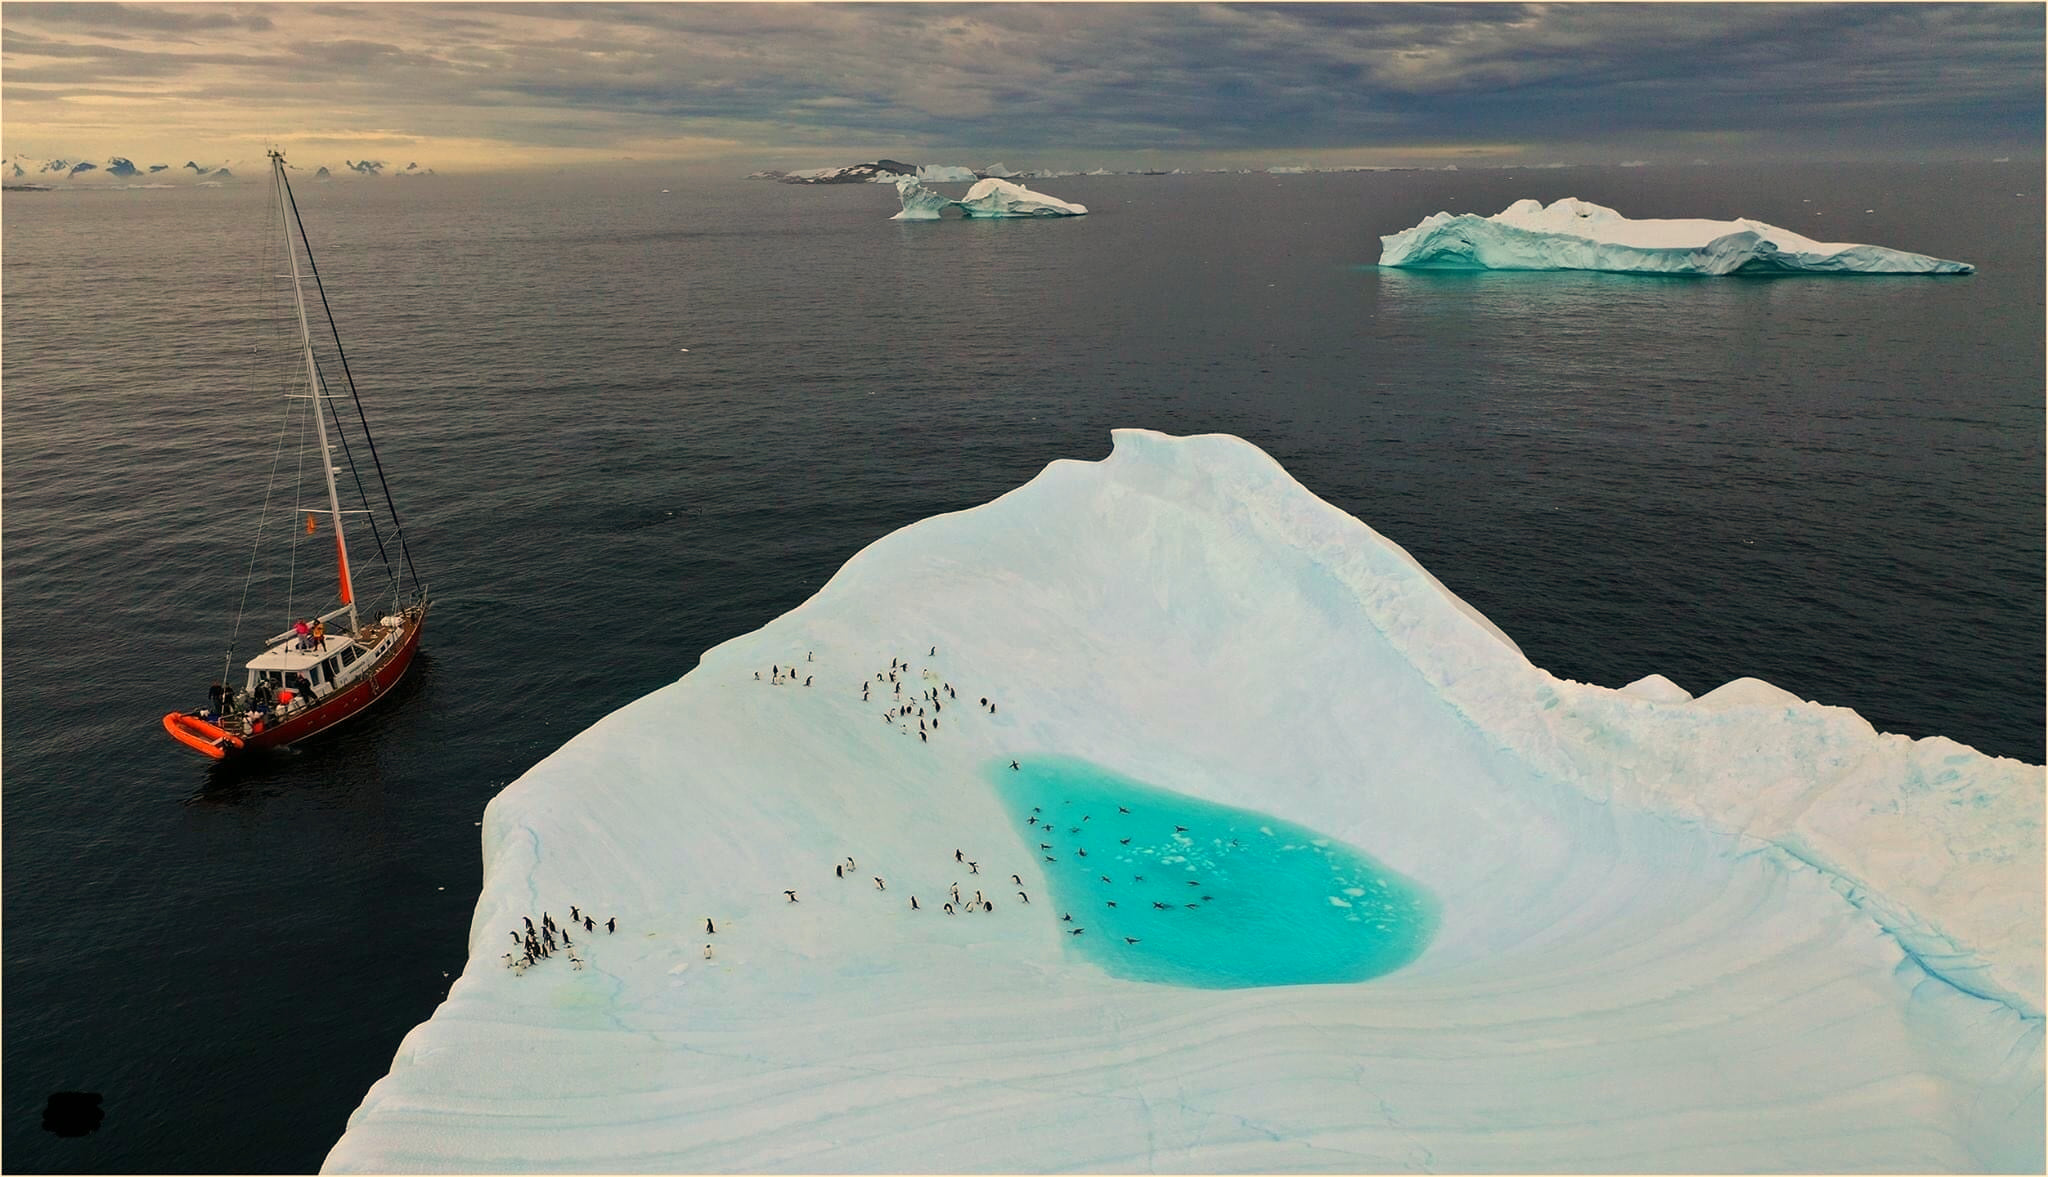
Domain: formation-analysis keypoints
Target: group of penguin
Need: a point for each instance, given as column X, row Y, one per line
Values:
column 926, row 707
column 538, row 943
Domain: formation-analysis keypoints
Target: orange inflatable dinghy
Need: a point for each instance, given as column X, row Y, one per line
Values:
column 200, row 736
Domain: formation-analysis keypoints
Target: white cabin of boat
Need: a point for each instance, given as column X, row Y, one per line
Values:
column 326, row 668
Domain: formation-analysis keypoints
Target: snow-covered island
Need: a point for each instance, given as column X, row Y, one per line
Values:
column 1572, row 234
column 990, row 197
column 1643, row 931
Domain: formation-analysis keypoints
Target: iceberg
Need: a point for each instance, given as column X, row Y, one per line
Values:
column 1742, row 932
column 988, row 198
column 1572, row 234
column 941, row 173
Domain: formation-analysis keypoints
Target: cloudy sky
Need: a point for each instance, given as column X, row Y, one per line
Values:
column 471, row 87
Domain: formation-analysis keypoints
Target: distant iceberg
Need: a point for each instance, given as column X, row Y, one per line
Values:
column 1572, row 234
column 988, row 198
column 1738, row 933
column 940, row 173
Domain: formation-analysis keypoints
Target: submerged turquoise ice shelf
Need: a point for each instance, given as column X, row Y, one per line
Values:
column 1214, row 897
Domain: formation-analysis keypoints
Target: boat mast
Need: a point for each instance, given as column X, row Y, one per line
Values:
column 318, row 392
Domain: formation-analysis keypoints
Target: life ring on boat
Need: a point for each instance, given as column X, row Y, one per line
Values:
column 201, row 736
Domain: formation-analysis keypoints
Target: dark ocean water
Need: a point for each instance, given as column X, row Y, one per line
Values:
column 1831, row 484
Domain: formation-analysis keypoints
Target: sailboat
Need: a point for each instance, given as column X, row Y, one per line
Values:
column 338, row 662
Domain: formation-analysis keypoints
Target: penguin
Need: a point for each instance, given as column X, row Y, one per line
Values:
column 1045, row 845
column 838, row 870
column 1137, row 878
column 973, row 868
column 1193, row 883
column 1050, row 858
column 956, row 892
column 575, row 917
column 978, row 899
column 878, row 884
column 984, row 700
column 991, row 708
column 1104, row 878
column 1158, row 906
column 611, row 925
column 807, row 680
column 757, row 676
column 1121, row 809
column 1016, row 880
column 1075, row 931
column 707, row 952
column 529, row 922
column 1180, row 829
column 708, row 929
column 935, row 652
column 913, row 903
column 1021, row 895
column 1109, row 903
column 1083, row 852
column 1123, row 841
column 959, row 857
column 1013, row 766
column 922, row 738
column 1130, row 939
column 1191, row 906
column 987, row 906
column 775, row 670
column 792, row 896
column 949, row 909
column 849, row 863
column 807, row 655
column 566, row 942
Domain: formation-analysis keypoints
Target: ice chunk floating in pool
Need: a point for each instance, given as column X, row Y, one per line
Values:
column 1163, row 887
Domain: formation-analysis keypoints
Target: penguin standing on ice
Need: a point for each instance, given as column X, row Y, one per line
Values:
column 612, row 925
column 1023, row 896
column 838, row 870
column 707, row 952
column 575, row 917
column 792, row 896
column 913, row 903
column 708, row 929
column 878, row 884
column 589, row 925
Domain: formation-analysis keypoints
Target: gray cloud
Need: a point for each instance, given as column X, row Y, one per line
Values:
column 1095, row 78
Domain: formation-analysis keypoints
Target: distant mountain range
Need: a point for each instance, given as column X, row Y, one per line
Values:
column 122, row 172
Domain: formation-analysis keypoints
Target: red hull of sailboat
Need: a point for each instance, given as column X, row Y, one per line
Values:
column 335, row 709
column 347, row 704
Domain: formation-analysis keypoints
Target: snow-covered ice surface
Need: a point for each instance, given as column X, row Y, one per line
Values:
column 1572, row 234
column 1734, row 933
column 988, row 198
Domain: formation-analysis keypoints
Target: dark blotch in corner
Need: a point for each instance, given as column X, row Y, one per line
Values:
column 73, row 1113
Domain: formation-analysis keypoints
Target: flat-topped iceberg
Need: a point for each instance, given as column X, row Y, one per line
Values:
column 988, row 198
column 1256, row 743
column 1574, row 234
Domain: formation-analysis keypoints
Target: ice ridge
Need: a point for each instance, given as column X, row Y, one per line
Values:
column 1675, row 934
column 991, row 197
column 1572, row 234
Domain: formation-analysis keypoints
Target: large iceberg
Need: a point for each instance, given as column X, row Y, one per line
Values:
column 1742, row 932
column 988, row 198
column 1574, row 234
